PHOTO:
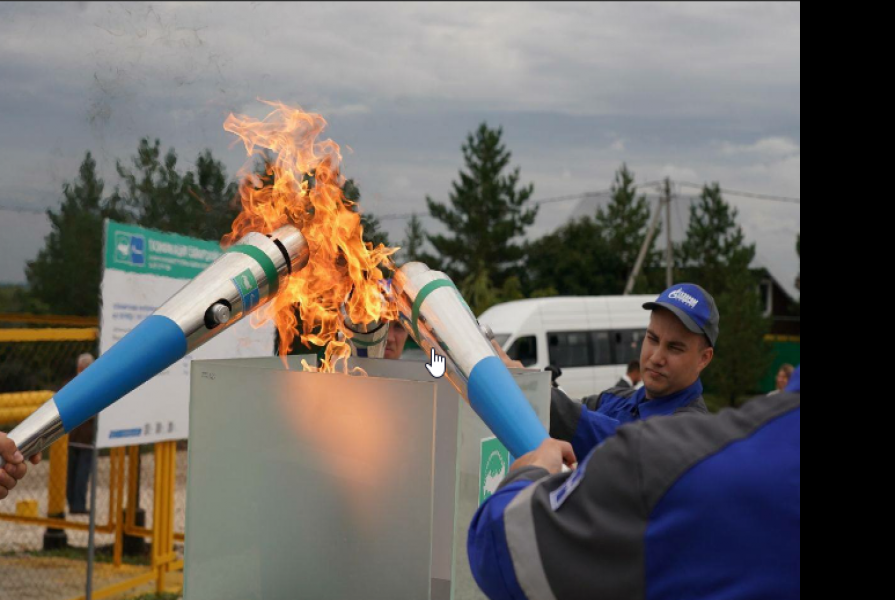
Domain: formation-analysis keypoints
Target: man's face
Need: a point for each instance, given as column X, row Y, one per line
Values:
column 397, row 338
column 782, row 380
column 636, row 377
column 672, row 357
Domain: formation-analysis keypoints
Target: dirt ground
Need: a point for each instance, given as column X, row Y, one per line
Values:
column 26, row 576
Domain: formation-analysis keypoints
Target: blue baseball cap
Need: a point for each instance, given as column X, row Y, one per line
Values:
column 695, row 308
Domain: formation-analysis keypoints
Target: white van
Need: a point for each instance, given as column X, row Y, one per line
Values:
column 591, row 339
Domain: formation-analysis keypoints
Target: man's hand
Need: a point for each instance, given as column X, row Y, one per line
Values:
column 15, row 467
column 507, row 361
column 552, row 455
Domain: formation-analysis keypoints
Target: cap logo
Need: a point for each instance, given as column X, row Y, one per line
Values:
column 681, row 296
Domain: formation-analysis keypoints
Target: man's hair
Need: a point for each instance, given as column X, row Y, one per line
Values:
column 85, row 359
column 788, row 369
column 634, row 365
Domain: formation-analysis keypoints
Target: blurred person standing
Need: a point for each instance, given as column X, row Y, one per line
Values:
column 631, row 380
column 80, row 455
column 397, row 339
column 783, row 377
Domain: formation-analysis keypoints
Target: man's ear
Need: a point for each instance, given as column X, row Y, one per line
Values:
column 708, row 354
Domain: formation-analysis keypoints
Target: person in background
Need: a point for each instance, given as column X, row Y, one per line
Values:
column 80, row 455
column 631, row 380
column 555, row 372
column 783, row 377
column 397, row 339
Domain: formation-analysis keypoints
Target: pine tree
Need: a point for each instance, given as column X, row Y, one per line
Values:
column 154, row 193
column 200, row 204
column 373, row 233
column 715, row 243
column 487, row 213
column 575, row 260
column 717, row 257
column 415, row 238
column 624, row 223
column 65, row 276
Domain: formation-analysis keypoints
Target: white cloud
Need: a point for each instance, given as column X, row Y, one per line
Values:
column 678, row 173
column 770, row 147
column 575, row 84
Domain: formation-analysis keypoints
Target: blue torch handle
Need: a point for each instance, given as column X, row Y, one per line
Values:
column 495, row 396
column 153, row 346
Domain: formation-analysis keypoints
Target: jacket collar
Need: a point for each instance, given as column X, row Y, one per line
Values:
column 668, row 404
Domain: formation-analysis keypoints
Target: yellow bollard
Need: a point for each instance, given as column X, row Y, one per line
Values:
column 163, row 514
column 24, row 399
column 16, row 414
column 55, row 539
column 58, row 478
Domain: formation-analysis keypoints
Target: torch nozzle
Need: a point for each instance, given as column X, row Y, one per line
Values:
column 438, row 318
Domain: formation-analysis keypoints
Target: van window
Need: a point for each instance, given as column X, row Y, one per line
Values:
column 627, row 345
column 602, row 348
column 525, row 350
column 570, row 349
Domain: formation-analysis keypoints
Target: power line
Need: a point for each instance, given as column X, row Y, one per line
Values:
column 727, row 192
column 543, row 201
column 395, row 217
column 583, row 195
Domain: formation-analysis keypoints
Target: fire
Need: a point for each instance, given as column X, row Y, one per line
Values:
column 303, row 187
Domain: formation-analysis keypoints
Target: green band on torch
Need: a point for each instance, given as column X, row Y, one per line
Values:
column 421, row 297
column 270, row 270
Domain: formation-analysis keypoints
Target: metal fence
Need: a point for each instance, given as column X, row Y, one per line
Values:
column 140, row 491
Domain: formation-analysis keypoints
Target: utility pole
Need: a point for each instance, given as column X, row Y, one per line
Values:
column 669, row 252
column 643, row 249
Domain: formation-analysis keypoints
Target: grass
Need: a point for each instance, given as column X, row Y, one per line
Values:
column 103, row 555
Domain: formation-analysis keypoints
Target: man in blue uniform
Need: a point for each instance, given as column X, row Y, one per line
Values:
column 696, row 507
column 679, row 345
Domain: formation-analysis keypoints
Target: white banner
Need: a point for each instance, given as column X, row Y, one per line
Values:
column 132, row 289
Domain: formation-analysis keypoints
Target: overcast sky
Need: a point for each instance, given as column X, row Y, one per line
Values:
column 699, row 92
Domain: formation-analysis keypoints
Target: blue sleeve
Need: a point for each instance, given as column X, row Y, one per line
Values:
column 795, row 382
column 489, row 555
column 593, row 429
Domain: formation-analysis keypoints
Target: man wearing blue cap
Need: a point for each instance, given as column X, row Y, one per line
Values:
column 679, row 345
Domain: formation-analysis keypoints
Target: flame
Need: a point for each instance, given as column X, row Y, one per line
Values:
column 303, row 186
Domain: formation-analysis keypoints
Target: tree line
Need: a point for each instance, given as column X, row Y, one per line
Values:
column 483, row 245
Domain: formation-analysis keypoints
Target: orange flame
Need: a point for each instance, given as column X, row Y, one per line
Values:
column 303, row 187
